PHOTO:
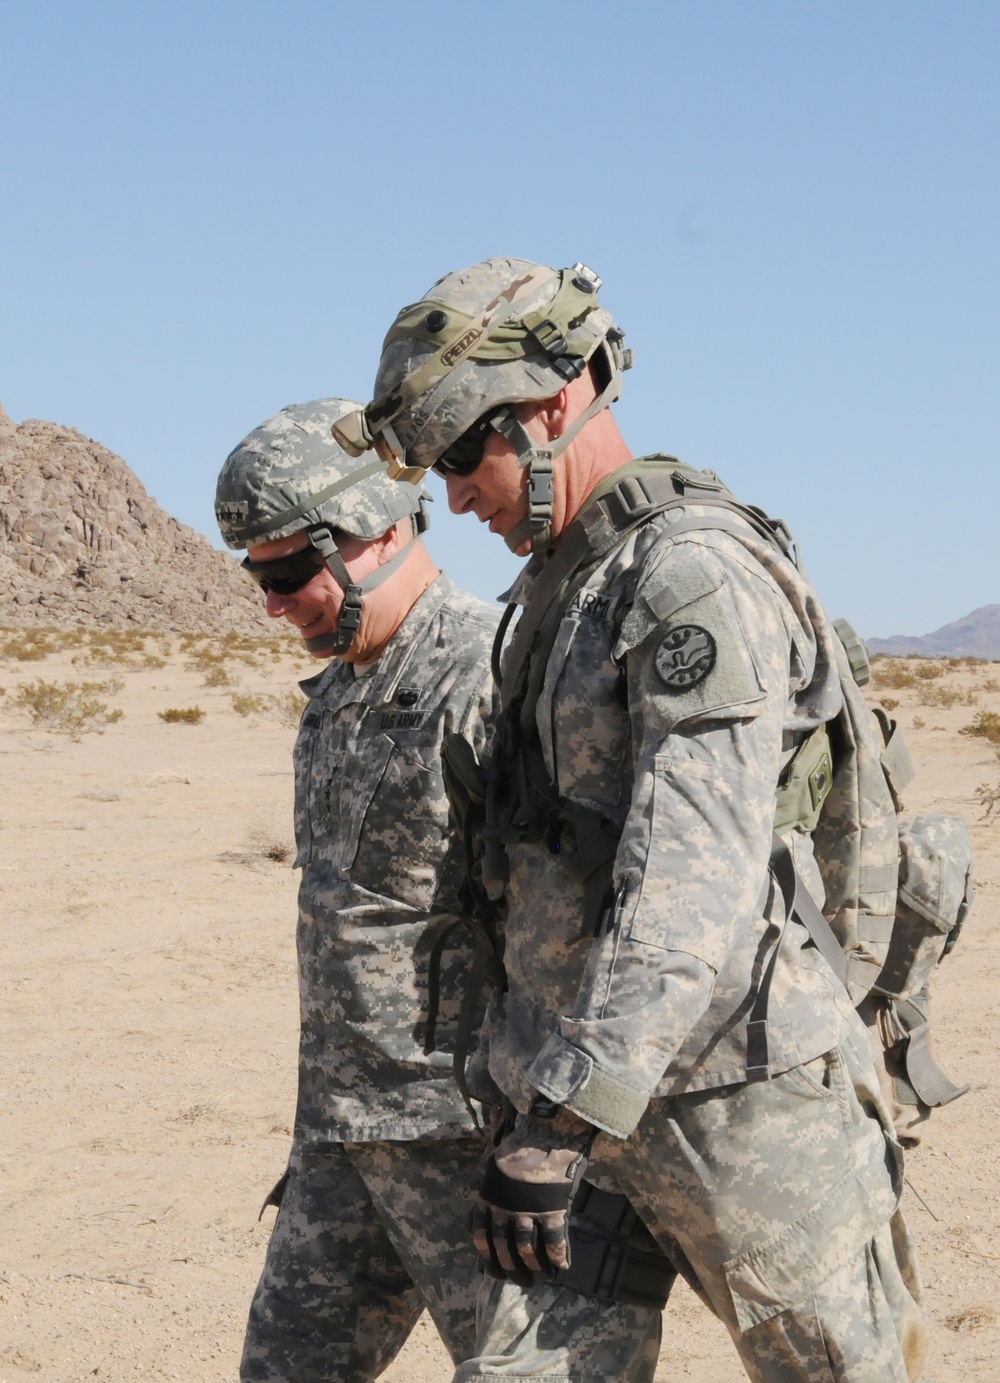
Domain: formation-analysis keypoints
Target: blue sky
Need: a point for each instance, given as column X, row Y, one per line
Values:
column 210, row 210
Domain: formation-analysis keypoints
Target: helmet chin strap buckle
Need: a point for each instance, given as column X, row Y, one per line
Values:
column 337, row 643
column 349, row 620
column 537, row 461
column 541, row 498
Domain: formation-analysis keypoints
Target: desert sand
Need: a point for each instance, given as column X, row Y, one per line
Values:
column 149, row 1014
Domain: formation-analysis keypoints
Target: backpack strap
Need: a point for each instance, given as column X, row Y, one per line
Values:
column 623, row 502
column 920, row 1071
column 799, row 904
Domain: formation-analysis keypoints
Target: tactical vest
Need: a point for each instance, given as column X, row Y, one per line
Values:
column 897, row 888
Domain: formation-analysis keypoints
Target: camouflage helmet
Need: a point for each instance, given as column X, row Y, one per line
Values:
column 502, row 332
column 290, row 473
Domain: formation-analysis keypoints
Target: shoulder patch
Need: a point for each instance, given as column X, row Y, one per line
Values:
column 698, row 664
column 684, row 657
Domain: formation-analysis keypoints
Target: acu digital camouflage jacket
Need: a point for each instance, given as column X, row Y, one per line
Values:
column 380, row 873
column 683, row 676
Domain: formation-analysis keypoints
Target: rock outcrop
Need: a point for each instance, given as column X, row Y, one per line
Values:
column 81, row 542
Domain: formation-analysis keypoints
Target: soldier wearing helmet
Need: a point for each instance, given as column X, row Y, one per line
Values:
column 371, row 1225
column 670, row 1027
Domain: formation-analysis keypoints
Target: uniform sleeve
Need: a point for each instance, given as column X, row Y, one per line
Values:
column 481, row 719
column 707, row 651
column 474, row 718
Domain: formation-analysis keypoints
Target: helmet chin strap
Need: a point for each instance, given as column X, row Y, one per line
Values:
column 337, row 643
column 537, row 461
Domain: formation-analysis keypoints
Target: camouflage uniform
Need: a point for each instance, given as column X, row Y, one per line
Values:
column 776, row 1197
column 371, row 1223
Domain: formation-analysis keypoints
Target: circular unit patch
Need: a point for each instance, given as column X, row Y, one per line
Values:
column 684, row 657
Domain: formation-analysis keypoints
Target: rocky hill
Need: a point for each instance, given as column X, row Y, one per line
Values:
column 975, row 636
column 81, row 541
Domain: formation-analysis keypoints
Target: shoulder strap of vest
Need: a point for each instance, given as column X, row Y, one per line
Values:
column 623, row 502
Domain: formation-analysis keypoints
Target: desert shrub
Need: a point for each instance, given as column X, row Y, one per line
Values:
column 947, row 696
column 892, row 672
column 990, row 685
column 284, row 707
column 70, row 707
column 276, row 850
column 182, row 715
column 928, row 672
column 213, row 659
column 989, row 795
column 269, row 838
column 118, row 640
column 126, row 647
column 28, row 645
column 215, row 676
column 890, row 702
column 248, row 703
column 976, row 1316
column 985, row 725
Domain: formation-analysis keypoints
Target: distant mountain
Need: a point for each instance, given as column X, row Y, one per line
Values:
column 975, row 636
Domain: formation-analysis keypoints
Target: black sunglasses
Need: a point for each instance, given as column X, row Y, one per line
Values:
column 286, row 575
column 465, row 454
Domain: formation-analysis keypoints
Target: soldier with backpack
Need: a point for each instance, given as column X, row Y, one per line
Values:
column 677, row 1023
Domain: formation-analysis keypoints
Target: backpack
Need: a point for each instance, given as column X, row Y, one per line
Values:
column 898, row 886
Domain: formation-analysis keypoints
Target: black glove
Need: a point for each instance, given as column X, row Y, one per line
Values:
column 520, row 1219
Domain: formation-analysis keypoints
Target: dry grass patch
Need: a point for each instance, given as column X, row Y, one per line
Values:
column 72, row 708
column 894, row 673
column 984, row 725
column 182, row 715
column 972, row 1317
column 284, row 707
column 947, row 696
column 128, row 648
column 989, row 796
column 29, row 645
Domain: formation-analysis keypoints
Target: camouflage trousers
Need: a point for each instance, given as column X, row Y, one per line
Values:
column 367, row 1235
column 777, row 1201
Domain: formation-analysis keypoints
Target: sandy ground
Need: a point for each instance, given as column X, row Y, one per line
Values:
column 149, row 1017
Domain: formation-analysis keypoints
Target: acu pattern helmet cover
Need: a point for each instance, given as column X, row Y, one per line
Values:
column 290, row 474
column 519, row 331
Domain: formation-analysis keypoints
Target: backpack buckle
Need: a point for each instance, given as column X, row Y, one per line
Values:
column 633, row 496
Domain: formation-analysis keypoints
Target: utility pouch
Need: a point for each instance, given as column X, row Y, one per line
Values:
column 932, row 901
column 613, row 1256
column 806, row 784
